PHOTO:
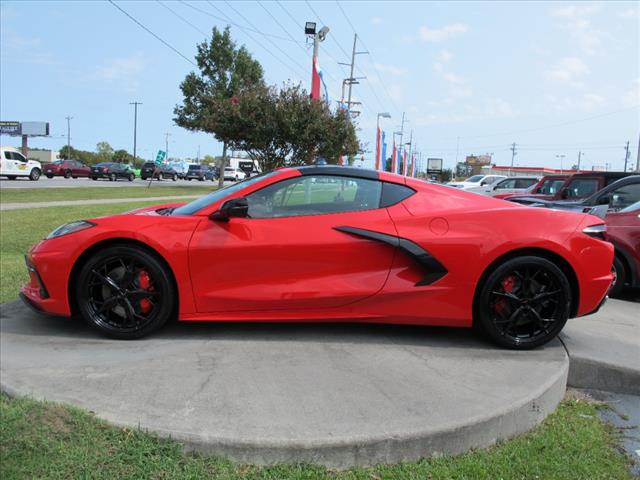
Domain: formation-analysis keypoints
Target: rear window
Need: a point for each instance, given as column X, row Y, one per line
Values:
column 582, row 187
column 149, row 165
column 194, row 167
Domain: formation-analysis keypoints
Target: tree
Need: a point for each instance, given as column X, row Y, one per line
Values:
column 224, row 72
column 209, row 159
column 122, row 156
column 104, row 152
column 280, row 127
column 67, row 153
column 446, row 175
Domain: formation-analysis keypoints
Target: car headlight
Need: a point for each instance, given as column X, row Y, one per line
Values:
column 68, row 228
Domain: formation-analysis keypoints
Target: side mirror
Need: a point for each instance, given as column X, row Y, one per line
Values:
column 483, row 183
column 236, row 207
column 604, row 200
column 495, row 188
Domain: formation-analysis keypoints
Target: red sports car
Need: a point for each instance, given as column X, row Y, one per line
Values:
column 328, row 244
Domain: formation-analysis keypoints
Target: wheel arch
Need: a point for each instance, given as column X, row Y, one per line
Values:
column 629, row 266
column 553, row 257
column 82, row 258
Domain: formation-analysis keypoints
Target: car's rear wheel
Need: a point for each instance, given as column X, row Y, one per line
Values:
column 49, row 175
column 113, row 177
column 619, row 277
column 131, row 177
column 94, row 178
column 67, row 174
column 175, row 177
column 523, row 303
column 125, row 292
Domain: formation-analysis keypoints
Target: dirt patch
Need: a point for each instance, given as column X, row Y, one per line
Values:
column 53, row 417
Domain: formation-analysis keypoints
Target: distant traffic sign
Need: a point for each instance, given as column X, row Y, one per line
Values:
column 160, row 156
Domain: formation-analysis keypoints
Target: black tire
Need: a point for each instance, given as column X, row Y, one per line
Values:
column 34, row 176
column 619, row 277
column 111, row 296
column 201, row 179
column 94, row 178
column 49, row 175
column 523, row 303
column 67, row 174
column 131, row 177
column 113, row 177
column 11, row 177
column 189, row 179
column 175, row 177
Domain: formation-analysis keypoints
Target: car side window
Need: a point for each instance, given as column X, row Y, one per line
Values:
column 525, row 182
column 511, row 183
column 624, row 196
column 582, row 187
column 314, row 195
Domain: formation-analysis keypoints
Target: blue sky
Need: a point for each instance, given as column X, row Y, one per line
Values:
column 472, row 77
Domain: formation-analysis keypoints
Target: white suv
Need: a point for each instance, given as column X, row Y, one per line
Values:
column 13, row 165
column 234, row 174
column 477, row 181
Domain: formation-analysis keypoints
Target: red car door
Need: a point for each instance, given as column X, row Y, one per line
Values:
column 288, row 254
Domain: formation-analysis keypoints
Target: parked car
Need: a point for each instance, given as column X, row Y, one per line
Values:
column 576, row 187
column 546, row 188
column 477, row 181
column 13, row 165
column 234, row 174
column 508, row 185
column 281, row 246
column 66, row 169
column 623, row 230
column 111, row 170
column 132, row 168
column 159, row 172
column 201, row 173
column 618, row 195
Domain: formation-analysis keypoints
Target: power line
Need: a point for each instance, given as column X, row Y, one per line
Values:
column 182, row 18
column 267, row 38
column 246, row 32
column 151, row 33
column 231, row 22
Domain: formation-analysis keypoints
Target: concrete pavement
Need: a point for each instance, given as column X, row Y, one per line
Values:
column 338, row 395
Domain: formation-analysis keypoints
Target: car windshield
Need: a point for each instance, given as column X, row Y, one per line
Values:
column 551, row 187
column 202, row 202
column 103, row 164
column 475, row 178
column 632, row 208
column 57, row 162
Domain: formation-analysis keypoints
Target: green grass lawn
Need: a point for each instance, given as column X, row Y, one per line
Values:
column 45, row 440
column 19, row 229
column 28, row 195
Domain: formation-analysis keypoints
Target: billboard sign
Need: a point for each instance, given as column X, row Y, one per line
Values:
column 10, row 128
column 434, row 165
column 35, row 129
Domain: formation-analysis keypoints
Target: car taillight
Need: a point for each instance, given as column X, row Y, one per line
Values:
column 104, row 169
column 596, row 231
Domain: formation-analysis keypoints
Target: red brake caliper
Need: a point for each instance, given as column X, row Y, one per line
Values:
column 144, row 283
column 508, row 284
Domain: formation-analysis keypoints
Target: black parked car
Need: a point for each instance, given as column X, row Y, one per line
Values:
column 617, row 195
column 111, row 170
column 161, row 171
column 201, row 173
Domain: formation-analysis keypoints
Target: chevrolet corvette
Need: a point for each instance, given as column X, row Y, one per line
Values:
column 328, row 244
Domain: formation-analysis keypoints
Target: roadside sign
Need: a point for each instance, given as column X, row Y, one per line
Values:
column 434, row 165
column 10, row 128
column 160, row 157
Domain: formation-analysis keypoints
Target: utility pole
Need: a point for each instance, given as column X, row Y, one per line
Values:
column 561, row 157
column 513, row 156
column 68, row 137
column 579, row 157
column 406, row 160
column 135, row 127
column 166, row 146
column 638, row 156
column 626, row 156
column 198, row 157
column 352, row 80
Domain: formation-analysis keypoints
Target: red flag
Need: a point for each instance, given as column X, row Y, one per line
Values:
column 315, row 80
column 378, row 149
column 393, row 158
column 404, row 162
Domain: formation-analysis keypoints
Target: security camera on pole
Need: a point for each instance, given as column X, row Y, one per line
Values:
column 310, row 30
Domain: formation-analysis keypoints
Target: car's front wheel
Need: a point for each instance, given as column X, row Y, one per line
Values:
column 125, row 292
column 131, row 177
column 523, row 303
column 619, row 277
column 113, row 177
column 34, row 175
column 67, row 174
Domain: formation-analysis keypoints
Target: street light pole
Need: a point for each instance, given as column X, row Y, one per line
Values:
column 561, row 157
column 135, row 127
column 68, row 137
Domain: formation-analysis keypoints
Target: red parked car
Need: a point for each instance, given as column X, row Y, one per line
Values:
column 328, row 244
column 623, row 230
column 66, row 169
column 546, row 188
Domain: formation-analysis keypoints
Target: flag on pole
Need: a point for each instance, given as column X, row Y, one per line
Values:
column 378, row 149
column 384, row 153
column 315, row 80
column 413, row 164
column 404, row 162
column 393, row 158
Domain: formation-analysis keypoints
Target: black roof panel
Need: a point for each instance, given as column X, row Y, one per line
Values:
column 338, row 170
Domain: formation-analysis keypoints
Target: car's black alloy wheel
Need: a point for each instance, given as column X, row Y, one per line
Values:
column 524, row 303
column 67, row 174
column 125, row 292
